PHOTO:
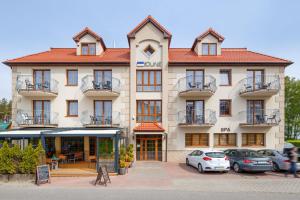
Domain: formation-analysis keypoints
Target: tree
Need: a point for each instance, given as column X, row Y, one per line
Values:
column 292, row 108
column 5, row 109
column 6, row 160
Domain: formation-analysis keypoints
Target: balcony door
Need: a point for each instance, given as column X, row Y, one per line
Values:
column 194, row 79
column 255, row 112
column 41, row 112
column 41, row 79
column 255, row 79
column 195, row 112
column 103, row 112
column 103, row 78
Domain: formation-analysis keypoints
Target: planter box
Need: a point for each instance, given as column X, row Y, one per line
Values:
column 21, row 178
column 4, row 178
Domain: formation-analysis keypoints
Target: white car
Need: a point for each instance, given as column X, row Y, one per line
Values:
column 208, row 160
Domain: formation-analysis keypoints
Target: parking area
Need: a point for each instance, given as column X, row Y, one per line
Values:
column 166, row 176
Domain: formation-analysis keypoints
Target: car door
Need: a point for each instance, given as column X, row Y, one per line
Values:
column 232, row 156
column 197, row 158
column 192, row 158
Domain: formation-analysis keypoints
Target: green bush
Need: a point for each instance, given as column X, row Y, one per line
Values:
column 7, row 165
column 122, row 156
column 295, row 142
column 40, row 154
column 130, row 155
column 29, row 160
column 16, row 156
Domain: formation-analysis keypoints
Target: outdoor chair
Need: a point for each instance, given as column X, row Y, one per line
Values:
column 260, row 119
column 96, row 86
column 107, row 86
column 29, row 86
column 46, row 85
column 26, row 119
column 248, row 87
column 207, row 86
column 191, row 86
column 62, row 158
column 92, row 160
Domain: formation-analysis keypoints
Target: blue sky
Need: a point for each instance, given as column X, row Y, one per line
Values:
column 267, row 26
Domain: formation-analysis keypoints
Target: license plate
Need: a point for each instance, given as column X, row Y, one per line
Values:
column 219, row 167
column 261, row 162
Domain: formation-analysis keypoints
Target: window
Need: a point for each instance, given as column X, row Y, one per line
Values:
column 224, row 139
column 149, row 50
column 253, row 139
column 72, row 108
column 255, row 79
column 196, row 139
column 194, row 79
column 195, row 112
column 88, row 49
column 72, row 145
column 225, row 107
column 255, row 112
column 209, row 49
column 72, row 77
column 41, row 79
column 102, row 79
column 41, row 112
column 103, row 112
column 148, row 81
column 225, row 77
column 148, row 111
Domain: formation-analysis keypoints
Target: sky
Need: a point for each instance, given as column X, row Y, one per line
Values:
column 265, row 26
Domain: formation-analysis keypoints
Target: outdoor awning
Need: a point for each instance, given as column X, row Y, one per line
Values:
column 103, row 133
column 20, row 133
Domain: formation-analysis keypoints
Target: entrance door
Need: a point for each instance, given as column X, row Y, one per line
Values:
column 149, row 148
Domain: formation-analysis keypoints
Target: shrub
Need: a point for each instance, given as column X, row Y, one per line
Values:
column 6, row 160
column 40, row 154
column 295, row 142
column 122, row 156
column 130, row 155
column 29, row 160
column 16, row 156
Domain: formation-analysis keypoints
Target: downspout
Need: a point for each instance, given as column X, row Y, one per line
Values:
column 166, row 135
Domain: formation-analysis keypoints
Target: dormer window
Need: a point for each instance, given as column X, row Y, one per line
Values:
column 149, row 50
column 88, row 49
column 209, row 49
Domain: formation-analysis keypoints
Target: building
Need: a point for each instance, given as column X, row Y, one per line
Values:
column 166, row 101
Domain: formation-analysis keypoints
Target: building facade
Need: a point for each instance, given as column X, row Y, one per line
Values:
column 166, row 101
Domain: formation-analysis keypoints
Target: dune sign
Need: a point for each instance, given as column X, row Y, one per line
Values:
column 148, row 64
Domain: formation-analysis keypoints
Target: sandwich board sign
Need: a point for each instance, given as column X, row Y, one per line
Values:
column 102, row 173
column 42, row 174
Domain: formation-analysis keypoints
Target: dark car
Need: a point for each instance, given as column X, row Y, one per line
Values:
column 248, row 160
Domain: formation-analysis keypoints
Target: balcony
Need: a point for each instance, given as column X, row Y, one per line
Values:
column 90, row 120
column 29, row 88
column 259, row 118
column 37, row 119
column 197, row 86
column 107, row 88
column 197, row 119
column 260, row 86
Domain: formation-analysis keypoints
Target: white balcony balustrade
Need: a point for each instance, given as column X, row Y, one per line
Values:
column 108, row 87
column 27, row 86
column 260, row 86
column 197, row 86
column 196, row 118
column 89, row 119
column 37, row 119
column 259, row 118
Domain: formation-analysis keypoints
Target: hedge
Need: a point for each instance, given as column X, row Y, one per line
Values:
column 294, row 142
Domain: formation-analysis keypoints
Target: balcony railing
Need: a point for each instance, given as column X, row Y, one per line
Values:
column 260, row 117
column 34, row 119
column 89, row 119
column 197, row 85
column 108, row 87
column 197, row 118
column 266, row 85
column 27, row 87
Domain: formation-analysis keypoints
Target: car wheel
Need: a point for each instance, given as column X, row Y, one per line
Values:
column 200, row 169
column 275, row 167
column 187, row 162
column 236, row 168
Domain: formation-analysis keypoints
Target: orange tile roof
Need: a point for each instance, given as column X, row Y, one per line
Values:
column 145, row 127
column 121, row 56
column 228, row 55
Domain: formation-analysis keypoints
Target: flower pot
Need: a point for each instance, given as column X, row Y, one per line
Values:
column 21, row 177
column 122, row 171
column 4, row 178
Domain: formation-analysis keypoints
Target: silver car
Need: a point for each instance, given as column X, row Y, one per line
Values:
column 280, row 161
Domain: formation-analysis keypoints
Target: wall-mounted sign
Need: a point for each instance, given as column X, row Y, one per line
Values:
column 148, row 64
column 225, row 130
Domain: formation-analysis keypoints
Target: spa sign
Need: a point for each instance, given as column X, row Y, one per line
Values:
column 148, row 64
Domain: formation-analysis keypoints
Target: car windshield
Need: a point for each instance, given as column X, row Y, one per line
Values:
column 251, row 154
column 215, row 154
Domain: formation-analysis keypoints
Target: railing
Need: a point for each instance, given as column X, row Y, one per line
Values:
column 195, row 117
column 198, row 83
column 260, row 82
column 25, row 82
column 89, row 119
column 30, row 118
column 260, row 116
column 108, row 84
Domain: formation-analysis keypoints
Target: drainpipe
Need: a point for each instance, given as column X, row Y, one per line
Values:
column 97, row 153
column 166, row 135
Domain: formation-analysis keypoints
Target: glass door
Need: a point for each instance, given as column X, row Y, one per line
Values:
column 103, row 78
column 41, row 112
column 103, row 112
column 194, row 79
column 255, row 79
column 195, row 112
column 255, row 112
column 41, row 79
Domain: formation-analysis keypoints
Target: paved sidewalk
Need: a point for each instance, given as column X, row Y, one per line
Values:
column 171, row 176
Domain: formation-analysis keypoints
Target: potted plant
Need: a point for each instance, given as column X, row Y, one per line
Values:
column 130, row 155
column 122, row 169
